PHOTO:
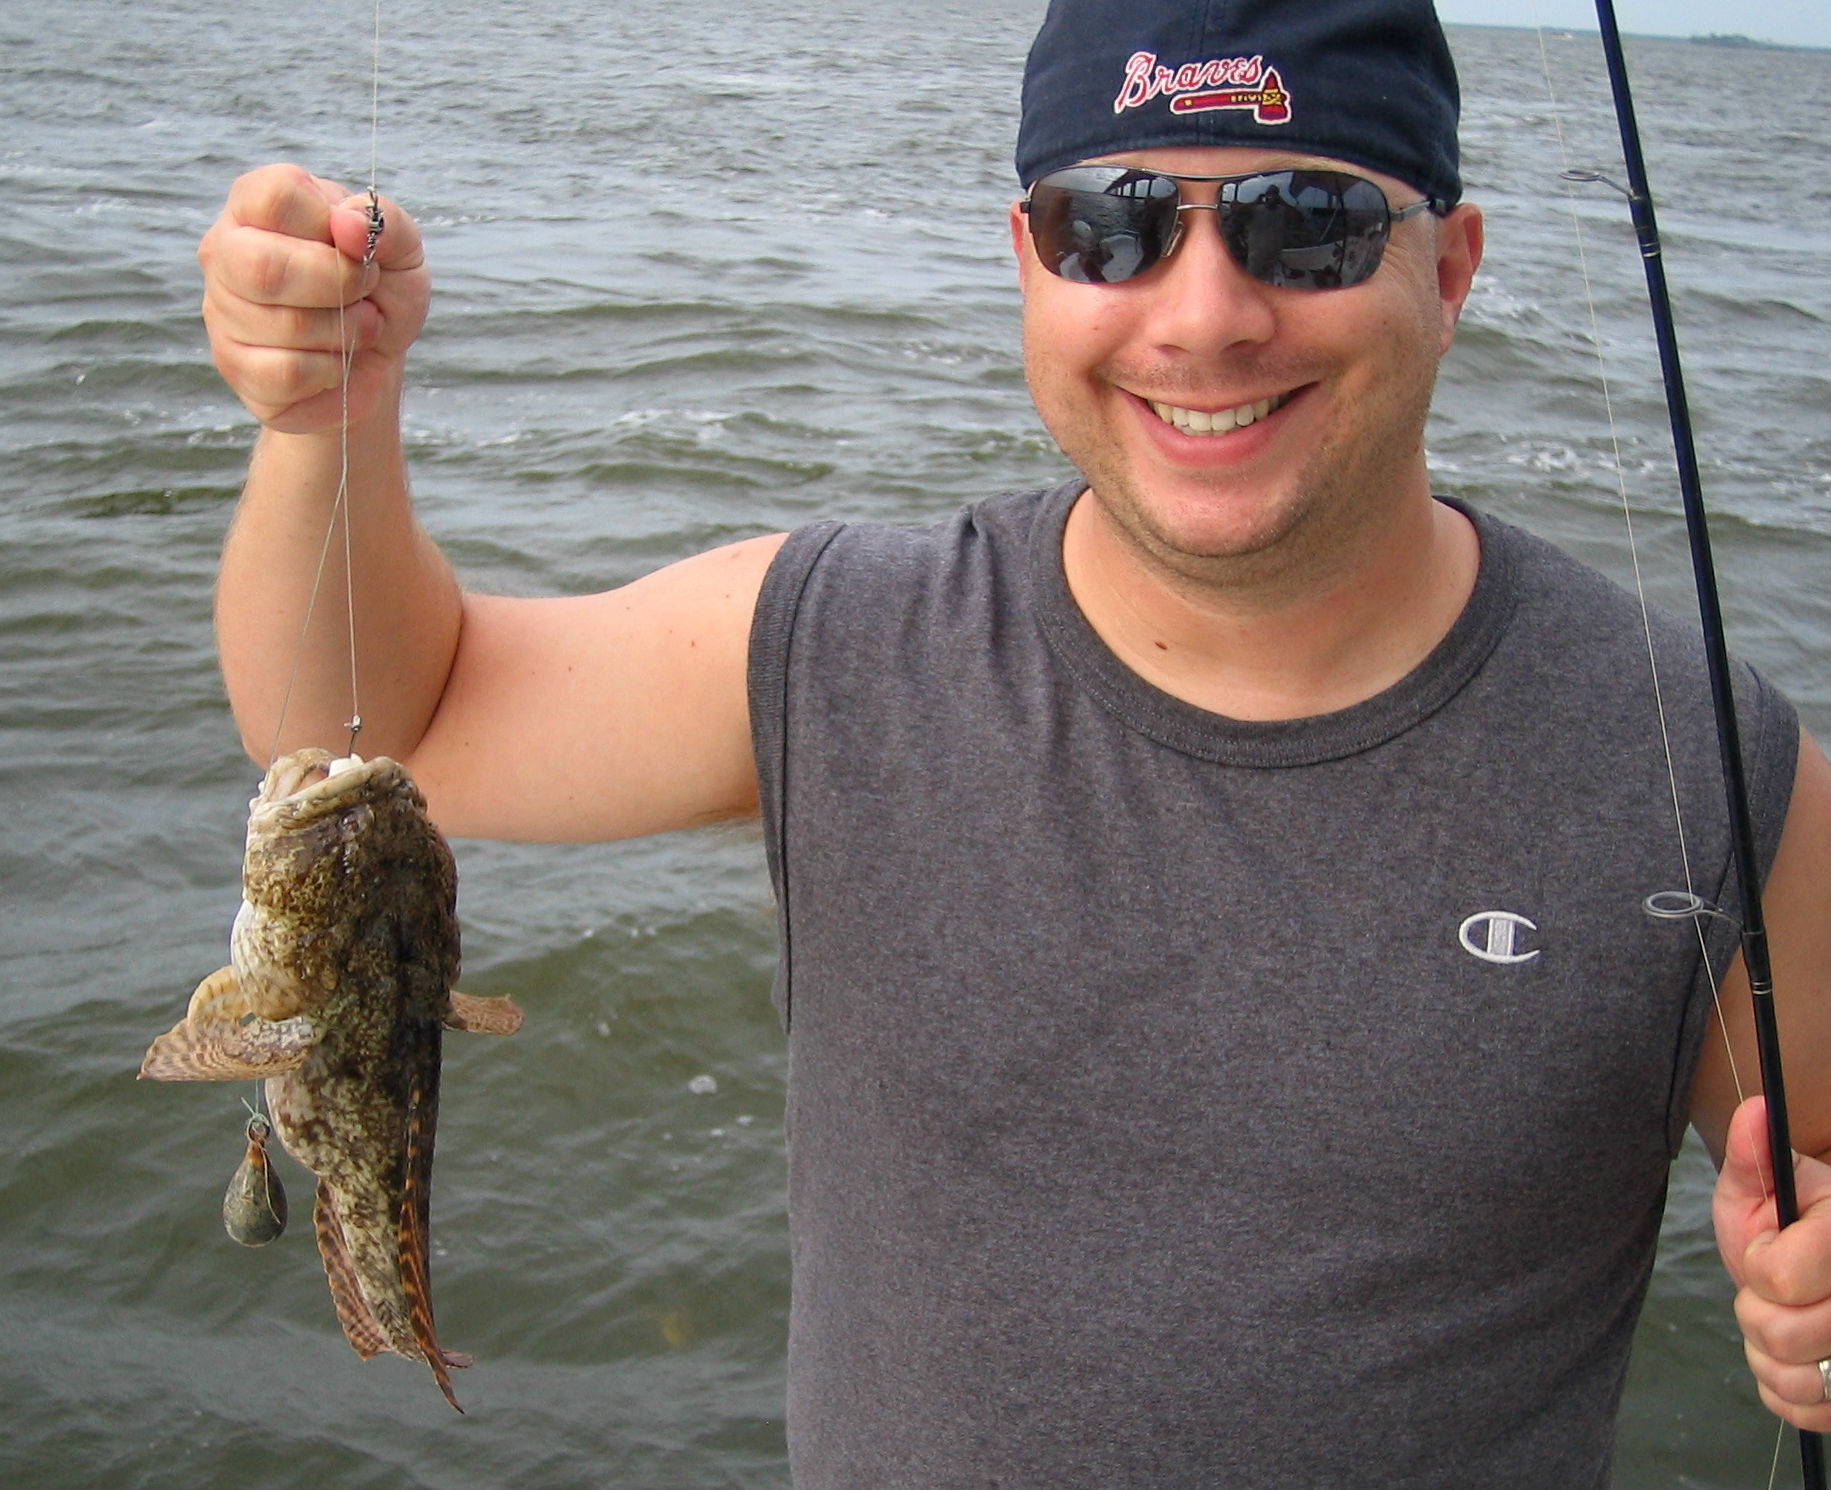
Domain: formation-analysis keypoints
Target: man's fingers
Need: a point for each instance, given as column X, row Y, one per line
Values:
column 287, row 295
column 287, row 237
column 1793, row 1267
column 1783, row 1301
column 246, row 322
column 1793, row 1392
column 274, row 357
column 1782, row 1333
column 272, row 378
column 303, row 393
column 285, row 199
column 399, row 245
column 1790, row 1267
column 1746, row 1182
column 270, row 268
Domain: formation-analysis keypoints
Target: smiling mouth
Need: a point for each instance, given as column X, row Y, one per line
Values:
column 1220, row 421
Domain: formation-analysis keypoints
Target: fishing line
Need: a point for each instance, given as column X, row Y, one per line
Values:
column 1752, row 928
column 340, row 504
column 1696, row 916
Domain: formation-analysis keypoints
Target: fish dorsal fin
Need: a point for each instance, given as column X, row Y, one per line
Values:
column 481, row 1016
column 215, row 1041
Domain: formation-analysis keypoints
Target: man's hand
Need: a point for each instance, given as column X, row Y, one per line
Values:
column 1783, row 1280
column 284, row 255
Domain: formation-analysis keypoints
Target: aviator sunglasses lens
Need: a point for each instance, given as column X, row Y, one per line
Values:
column 1299, row 229
column 1102, row 225
column 1306, row 230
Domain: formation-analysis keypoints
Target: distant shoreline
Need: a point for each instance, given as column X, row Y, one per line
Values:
column 1727, row 41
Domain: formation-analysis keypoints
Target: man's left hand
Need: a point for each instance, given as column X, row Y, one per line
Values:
column 1783, row 1280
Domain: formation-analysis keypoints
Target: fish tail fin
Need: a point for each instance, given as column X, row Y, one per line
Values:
column 416, row 1212
column 439, row 1360
column 353, row 1313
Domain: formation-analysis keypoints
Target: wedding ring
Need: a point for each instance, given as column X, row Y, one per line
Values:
column 1824, row 1375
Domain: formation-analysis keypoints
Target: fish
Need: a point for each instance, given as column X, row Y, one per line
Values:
column 254, row 1205
column 342, row 961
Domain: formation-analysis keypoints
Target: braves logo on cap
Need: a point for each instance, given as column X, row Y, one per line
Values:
column 1196, row 87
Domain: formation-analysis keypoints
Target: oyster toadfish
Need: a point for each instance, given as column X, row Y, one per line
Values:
column 339, row 986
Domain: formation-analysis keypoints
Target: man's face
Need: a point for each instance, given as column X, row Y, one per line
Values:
column 1338, row 381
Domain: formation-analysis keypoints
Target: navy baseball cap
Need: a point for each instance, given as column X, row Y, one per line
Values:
column 1370, row 82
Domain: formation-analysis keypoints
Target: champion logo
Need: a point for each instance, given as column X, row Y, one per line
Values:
column 1494, row 936
column 1196, row 87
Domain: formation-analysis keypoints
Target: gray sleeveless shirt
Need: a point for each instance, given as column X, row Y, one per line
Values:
column 1178, row 1101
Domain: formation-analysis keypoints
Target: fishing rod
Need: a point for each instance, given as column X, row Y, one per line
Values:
column 1716, row 655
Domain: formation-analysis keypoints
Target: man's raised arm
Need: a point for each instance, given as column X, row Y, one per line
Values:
column 588, row 717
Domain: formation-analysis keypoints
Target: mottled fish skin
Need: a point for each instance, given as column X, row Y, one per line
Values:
column 343, row 958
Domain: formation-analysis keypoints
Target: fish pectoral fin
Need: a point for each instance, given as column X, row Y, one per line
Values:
column 219, row 997
column 481, row 1016
column 215, row 1041
column 249, row 1052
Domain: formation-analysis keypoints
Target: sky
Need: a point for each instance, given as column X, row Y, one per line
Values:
column 1793, row 22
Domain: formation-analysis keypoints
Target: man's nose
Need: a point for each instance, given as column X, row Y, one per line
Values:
column 1203, row 301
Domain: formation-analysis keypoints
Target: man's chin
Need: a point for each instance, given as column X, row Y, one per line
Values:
column 1202, row 534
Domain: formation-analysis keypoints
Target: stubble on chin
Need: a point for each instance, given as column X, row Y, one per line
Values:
column 1303, row 528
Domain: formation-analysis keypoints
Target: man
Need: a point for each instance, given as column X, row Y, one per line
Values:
column 1227, row 1044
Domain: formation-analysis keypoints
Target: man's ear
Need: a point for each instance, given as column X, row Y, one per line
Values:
column 1459, row 244
column 1020, row 240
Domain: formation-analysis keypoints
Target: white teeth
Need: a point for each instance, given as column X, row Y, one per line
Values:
column 1217, row 422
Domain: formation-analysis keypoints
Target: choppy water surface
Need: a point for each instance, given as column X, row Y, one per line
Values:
column 702, row 271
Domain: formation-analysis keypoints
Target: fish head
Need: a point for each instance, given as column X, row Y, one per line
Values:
column 330, row 841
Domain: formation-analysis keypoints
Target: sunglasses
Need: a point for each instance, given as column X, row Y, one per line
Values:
column 1298, row 229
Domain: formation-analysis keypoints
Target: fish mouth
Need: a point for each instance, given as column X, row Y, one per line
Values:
column 311, row 783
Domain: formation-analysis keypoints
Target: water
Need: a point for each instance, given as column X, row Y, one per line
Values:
column 703, row 271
